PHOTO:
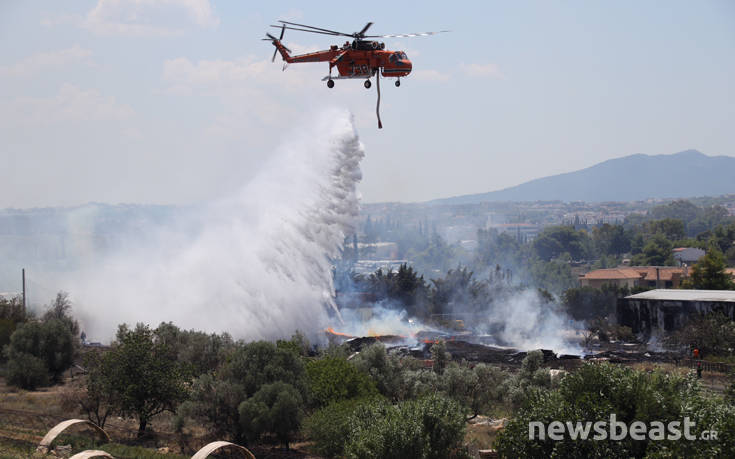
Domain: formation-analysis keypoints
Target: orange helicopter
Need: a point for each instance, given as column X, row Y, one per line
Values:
column 360, row 58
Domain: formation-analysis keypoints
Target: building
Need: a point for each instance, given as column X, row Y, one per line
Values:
column 687, row 255
column 635, row 276
column 658, row 311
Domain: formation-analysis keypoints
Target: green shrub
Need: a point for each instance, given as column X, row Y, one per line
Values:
column 262, row 362
column 276, row 408
column 386, row 370
column 440, row 356
column 429, row 428
column 474, row 388
column 329, row 427
column 51, row 342
column 215, row 402
column 27, row 371
column 331, row 379
column 596, row 391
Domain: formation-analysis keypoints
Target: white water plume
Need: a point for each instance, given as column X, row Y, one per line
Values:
column 259, row 264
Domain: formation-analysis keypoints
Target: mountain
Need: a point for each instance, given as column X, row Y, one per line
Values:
column 631, row 178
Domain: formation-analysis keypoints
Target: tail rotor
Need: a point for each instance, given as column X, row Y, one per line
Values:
column 275, row 40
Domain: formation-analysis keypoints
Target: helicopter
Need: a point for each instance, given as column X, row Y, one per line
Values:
column 359, row 59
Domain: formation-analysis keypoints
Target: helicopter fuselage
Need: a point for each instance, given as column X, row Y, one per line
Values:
column 359, row 59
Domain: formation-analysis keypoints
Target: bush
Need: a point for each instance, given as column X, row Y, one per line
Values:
column 331, row 379
column 27, row 371
column 276, row 408
column 261, row 362
column 429, row 428
column 384, row 369
column 440, row 356
column 215, row 403
column 329, row 427
column 596, row 391
column 216, row 398
column 198, row 352
column 12, row 314
column 474, row 388
column 713, row 334
column 51, row 342
column 532, row 377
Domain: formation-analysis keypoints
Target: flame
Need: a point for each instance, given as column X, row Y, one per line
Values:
column 331, row 331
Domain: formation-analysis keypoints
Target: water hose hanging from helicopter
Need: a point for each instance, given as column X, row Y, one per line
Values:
column 377, row 108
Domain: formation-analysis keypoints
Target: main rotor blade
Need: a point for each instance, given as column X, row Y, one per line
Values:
column 283, row 30
column 312, row 27
column 364, row 29
column 273, row 59
column 406, row 35
column 314, row 31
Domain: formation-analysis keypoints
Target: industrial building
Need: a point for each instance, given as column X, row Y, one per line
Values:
column 665, row 310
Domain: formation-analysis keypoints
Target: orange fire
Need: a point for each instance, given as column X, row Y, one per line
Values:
column 331, row 331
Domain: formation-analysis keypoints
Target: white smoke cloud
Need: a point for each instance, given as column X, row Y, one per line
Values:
column 259, row 264
column 529, row 323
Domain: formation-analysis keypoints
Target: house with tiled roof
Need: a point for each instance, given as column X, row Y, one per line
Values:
column 635, row 276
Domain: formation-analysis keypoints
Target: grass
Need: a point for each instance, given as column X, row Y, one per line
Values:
column 137, row 452
column 13, row 449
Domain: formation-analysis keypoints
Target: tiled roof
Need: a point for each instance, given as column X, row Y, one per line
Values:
column 665, row 273
column 613, row 273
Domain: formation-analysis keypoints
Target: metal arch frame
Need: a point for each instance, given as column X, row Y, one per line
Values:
column 91, row 453
column 215, row 445
column 62, row 426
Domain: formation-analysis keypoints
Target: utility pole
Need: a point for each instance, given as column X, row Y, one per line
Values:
column 23, row 271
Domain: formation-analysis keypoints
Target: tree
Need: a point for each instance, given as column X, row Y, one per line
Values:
column 595, row 392
column 60, row 309
column 12, row 314
column 144, row 377
column 713, row 334
column 474, row 388
column 196, row 351
column 329, row 427
column 50, row 342
column 261, row 362
column 611, row 239
column 709, row 273
column 656, row 252
column 671, row 228
column 556, row 240
column 27, row 372
column 384, row 369
column 215, row 402
column 97, row 400
column 585, row 303
column 216, row 398
column 439, row 356
column 332, row 379
column 429, row 428
column 276, row 408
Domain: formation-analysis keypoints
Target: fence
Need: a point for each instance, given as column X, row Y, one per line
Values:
column 718, row 367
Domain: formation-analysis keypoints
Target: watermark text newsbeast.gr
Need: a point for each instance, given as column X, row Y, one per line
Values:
column 617, row 430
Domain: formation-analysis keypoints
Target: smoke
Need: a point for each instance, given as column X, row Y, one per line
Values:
column 256, row 264
column 524, row 321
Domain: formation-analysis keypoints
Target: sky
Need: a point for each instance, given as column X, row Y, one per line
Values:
column 177, row 102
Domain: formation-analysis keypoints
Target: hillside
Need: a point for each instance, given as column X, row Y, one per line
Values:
column 631, row 178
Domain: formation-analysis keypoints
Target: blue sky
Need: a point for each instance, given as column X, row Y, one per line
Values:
column 162, row 101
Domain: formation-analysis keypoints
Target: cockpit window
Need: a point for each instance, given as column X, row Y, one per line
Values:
column 403, row 55
column 394, row 57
